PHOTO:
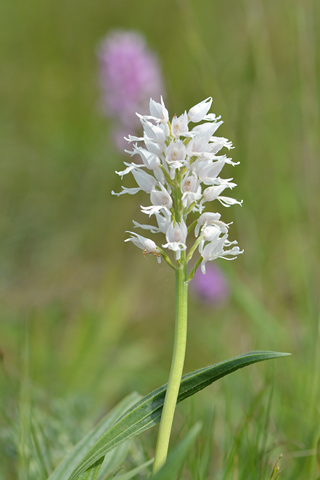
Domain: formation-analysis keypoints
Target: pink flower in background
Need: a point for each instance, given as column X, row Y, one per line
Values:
column 129, row 75
column 213, row 287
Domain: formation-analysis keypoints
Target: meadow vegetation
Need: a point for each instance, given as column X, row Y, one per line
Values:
column 85, row 319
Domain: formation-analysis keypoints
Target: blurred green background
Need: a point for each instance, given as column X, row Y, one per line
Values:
column 85, row 319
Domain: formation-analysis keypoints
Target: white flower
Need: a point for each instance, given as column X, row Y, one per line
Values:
column 219, row 142
column 184, row 170
column 163, row 220
column 206, row 130
column 149, row 159
column 199, row 111
column 191, row 189
column 159, row 111
column 155, row 133
column 176, row 153
column 160, row 199
column 213, row 193
column 148, row 246
column 215, row 249
column 176, row 238
column 179, row 125
column 154, row 136
column 228, row 201
column 199, row 143
column 175, row 156
column 210, row 232
column 130, row 167
column 208, row 218
column 151, row 228
column 209, row 171
column 145, row 181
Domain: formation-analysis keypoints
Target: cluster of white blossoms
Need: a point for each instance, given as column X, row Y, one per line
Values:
column 179, row 170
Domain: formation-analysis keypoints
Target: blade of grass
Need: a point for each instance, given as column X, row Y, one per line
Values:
column 92, row 472
column 70, row 462
column 135, row 471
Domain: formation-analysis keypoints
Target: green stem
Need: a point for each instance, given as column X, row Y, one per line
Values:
column 193, row 270
column 192, row 225
column 194, row 247
column 166, row 258
column 179, row 349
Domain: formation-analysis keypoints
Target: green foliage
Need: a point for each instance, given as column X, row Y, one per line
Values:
column 70, row 462
column 276, row 471
column 92, row 472
column 147, row 412
column 135, row 471
column 99, row 317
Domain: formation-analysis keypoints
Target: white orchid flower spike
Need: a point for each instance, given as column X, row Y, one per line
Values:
column 179, row 170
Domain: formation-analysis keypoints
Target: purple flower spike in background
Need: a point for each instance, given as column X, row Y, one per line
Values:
column 213, row 287
column 129, row 75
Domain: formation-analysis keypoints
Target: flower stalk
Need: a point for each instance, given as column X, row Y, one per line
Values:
column 179, row 351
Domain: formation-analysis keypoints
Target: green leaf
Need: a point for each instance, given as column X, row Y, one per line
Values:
column 114, row 458
column 135, row 471
column 92, row 472
column 147, row 412
column 72, row 459
column 175, row 460
column 113, row 474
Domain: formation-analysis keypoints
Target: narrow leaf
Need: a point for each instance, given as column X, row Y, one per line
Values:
column 175, row 460
column 135, row 471
column 113, row 474
column 114, row 459
column 147, row 412
column 72, row 459
column 92, row 472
